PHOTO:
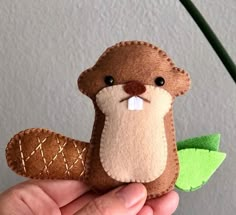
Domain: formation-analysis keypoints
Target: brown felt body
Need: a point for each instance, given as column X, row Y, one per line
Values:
column 100, row 181
column 126, row 62
column 31, row 155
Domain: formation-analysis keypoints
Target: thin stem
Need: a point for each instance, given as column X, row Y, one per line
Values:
column 211, row 37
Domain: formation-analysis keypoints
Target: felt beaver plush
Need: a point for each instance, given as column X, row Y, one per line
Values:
column 132, row 86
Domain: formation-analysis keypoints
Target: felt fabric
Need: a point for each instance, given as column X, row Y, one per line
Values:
column 98, row 179
column 122, row 155
column 134, row 88
column 210, row 142
column 125, row 62
column 126, row 145
column 129, row 61
column 43, row 154
column 166, row 182
column 196, row 167
column 134, row 61
column 135, row 103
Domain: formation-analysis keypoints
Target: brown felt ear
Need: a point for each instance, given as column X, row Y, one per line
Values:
column 90, row 83
column 181, row 82
column 84, row 80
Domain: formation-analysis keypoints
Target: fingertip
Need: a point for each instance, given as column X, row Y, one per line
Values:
column 132, row 194
column 146, row 210
column 127, row 199
column 140, row 189
column 175, row 196
column 166, row 204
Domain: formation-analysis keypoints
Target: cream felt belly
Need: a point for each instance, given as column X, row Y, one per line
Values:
column 133, row 145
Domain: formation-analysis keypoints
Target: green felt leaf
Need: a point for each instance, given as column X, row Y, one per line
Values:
column 210, row 142
column 196, row 167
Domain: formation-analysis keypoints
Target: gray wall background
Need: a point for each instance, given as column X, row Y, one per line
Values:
column 44, row 45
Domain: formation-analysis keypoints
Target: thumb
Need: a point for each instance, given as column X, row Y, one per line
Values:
column 125, row 200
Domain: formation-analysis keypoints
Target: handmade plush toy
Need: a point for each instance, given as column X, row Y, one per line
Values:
column 133, row 86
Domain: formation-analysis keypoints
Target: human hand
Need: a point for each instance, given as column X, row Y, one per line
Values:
column 66, row 197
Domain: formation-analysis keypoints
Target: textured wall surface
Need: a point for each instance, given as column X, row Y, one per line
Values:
column 44, row 45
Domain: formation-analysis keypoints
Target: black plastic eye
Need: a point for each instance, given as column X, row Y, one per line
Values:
column 160, row 81
column 109, row 80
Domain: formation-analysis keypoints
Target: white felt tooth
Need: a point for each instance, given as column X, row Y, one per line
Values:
column 131, row 103
column 139, row 103
column 135, row 103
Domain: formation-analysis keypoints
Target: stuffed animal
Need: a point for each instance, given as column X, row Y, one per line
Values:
column 133, row 86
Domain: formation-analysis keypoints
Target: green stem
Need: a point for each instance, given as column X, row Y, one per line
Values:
column 211, row 37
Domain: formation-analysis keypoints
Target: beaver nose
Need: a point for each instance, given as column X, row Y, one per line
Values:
column 134, row 88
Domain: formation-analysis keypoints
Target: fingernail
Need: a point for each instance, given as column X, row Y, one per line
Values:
column 132, row 194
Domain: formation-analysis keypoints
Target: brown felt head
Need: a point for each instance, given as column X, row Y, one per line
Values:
column 134, row 61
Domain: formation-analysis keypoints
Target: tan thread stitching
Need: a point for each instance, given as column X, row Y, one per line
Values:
column 55, row 156
column 82, row 161
column 60, row 151
column 176, row 155
column 170, row 187
column 87, row 166
column 22, row 156
column 132, row 43
column 64, row 158
column 39, row 147
column 42, row 154
column 32, row 153
column 78, row 158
